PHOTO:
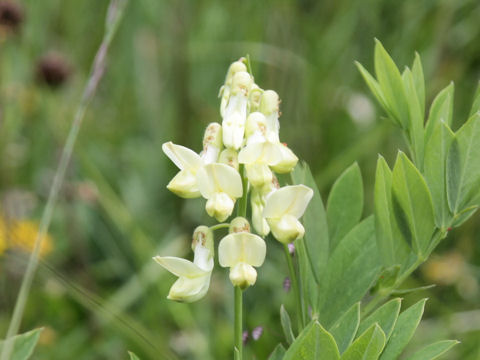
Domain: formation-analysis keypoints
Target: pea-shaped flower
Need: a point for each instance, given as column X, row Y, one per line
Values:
column 241, row 252
column 184, row 184
column 193, row 277
column 282, row 210
column 221, row 185
column 260, row 157
column 212, row 143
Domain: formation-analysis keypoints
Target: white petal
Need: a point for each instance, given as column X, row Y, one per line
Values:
column 216, row 178
column 210, row 154
column 243, row 275
column 180, row 267
column 285, row 160
column 184, row 184
column 292, row 200
column 286, row 229
column 220, row 206
column 182, row 156
column 189, row 290
column 241, row 247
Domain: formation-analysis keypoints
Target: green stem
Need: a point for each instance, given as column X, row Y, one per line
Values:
column 242, row 202
column 238, row 321
column 219, row 226
column 382, row 295
column 296, row 288
column 114, row 15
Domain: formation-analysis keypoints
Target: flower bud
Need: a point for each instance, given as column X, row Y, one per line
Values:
column 220, row 206
column 239, row 224
column 269, row 102
column 212, row 143
column 235, row 67
column 256, row 127
column 242, row 82
column 229, row 157
column 255, row 97
column 202, row 235
column 243, row 275
column 286, row 229
column 258, row 174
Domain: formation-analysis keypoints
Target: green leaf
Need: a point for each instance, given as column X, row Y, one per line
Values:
column 368, row 346
column 434, row 350
column 463, row 166
column 314, row 342
column 24, row 344
column 315, row 222
column 476, row 102
column 286, row 325
column 345, row 204
column 419, row 81
column 386, row 317
column 464, row 215
column 440, row 110
column 412, row 204
column 376, row 90
column 435, row 171
column 410, row 290
column 416, row 114
column 404, row 329
column 307, row 277
column 351, row 271
column 393, row 248
column 133, row 356
column 387, row 278
column 345, row 328
column 391, row 83
column 278, row 353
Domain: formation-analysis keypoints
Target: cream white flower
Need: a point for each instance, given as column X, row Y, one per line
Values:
column 260, row 157
column 220, row 184
column 184, row 184
column 212, row 143
column 282, row 210
column 257, row 203
column 229, row 157
column 193, row 277
column 241, row 252
column 269, row 106
column 225, row 90
column 235, row 114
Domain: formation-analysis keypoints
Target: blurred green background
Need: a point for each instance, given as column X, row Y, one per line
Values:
column 98, row 293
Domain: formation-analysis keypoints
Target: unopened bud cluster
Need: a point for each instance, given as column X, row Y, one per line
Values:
column 244, row 146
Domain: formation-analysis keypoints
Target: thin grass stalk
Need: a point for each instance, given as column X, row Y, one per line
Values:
column 114, row 15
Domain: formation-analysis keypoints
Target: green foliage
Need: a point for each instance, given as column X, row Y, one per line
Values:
column 351, row 271
column 403, row 331
column 278, row 353
column 24, row 344
column 463, row 167
column 412, row 205
column 315, row 222
column 344, row 205
column 441, row 110
column 346, row 327
column 385, row 316
column 313, row 343
column 392, row 246
column 434, row 350
column 286, row 325
column 133, row 356
column 367, row 346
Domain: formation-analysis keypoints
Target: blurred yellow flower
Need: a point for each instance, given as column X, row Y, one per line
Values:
column 21, row 235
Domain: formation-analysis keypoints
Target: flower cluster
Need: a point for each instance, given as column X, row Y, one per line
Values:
column 240, row 157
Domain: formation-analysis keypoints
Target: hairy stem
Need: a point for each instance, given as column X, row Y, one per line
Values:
column 114, row 15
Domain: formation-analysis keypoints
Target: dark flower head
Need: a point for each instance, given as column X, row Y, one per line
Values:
column 53, row 70
column 11, row 16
